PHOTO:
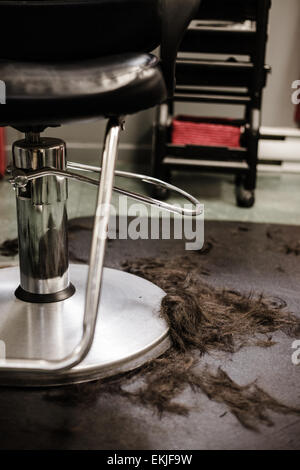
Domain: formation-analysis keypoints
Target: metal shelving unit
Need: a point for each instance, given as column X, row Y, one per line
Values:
column 221, row 61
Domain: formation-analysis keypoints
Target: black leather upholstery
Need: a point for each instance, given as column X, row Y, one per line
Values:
column 176, row 16
column 60, row 64
column 78, row 29
column 54, row 93
column 62, row 30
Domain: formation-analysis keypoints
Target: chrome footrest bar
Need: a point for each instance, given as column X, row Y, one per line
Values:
column 21, row 179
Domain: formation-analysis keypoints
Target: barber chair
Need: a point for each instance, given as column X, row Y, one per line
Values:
column 73, row 60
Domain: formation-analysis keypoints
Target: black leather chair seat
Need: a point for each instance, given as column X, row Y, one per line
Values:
column 71, row 30
column 40, row 93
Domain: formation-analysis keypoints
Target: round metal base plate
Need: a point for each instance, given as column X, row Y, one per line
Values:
column 129, row 332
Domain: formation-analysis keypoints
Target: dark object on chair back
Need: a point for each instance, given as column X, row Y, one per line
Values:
column 84, row 29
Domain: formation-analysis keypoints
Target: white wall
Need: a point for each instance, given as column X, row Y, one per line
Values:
column 283, row 54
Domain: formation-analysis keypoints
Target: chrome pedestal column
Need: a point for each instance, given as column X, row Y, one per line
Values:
column 42, row 222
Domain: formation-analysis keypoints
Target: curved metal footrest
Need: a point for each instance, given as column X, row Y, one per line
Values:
column 21, row 179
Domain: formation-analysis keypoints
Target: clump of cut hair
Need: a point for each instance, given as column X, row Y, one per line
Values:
column 205, row 318
column 201, row 319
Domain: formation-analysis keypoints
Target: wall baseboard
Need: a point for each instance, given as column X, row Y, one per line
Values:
column 286, row 151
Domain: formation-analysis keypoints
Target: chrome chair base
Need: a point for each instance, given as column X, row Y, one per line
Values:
column 129, row 329
column 78, row 338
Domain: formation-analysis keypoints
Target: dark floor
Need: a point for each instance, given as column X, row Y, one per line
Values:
column 244, row 257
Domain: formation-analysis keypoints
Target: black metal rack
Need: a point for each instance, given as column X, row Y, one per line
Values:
column 222, row 27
